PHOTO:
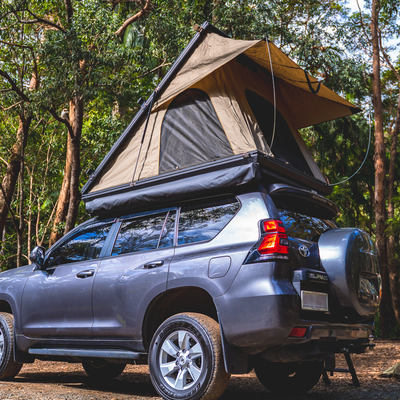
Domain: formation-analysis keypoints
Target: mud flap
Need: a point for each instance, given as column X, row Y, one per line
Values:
column 235, row 361
column 19, row 356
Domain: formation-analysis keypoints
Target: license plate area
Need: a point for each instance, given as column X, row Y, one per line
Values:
column 314, row 301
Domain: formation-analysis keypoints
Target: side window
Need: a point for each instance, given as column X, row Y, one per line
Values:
column 84, row 245
column 204, row 222
column 145, row 233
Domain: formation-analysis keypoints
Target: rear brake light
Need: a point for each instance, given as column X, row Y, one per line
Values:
column 273, row 225
column 273, row 245
column 298, row 332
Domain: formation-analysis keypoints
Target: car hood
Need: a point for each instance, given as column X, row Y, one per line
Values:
column 27, row 269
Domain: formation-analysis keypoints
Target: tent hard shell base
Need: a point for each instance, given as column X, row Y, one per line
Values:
column 208, row 179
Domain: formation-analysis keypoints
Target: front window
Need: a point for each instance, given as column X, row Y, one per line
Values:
column 84, row 245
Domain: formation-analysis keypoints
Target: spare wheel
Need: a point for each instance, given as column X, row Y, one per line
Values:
column 351, row 261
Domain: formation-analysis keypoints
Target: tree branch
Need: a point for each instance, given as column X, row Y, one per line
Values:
column 386, row 57
column 144, row 11
column 164, row 64
column 14, row 86
column 69, row 10
column 9, row 108
column 38, row 20
column 16, row 45
column 4, row 161
column 63, row 121
column 362, row 23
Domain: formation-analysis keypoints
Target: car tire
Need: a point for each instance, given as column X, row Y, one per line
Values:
column 186, row 360
column 288, row 378
column 101, row 370
column 8, row 367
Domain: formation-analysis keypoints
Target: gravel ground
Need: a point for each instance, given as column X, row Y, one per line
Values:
column 51, row 381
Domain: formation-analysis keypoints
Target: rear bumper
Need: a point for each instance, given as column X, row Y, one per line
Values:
column 321, row 340
column 259, row 311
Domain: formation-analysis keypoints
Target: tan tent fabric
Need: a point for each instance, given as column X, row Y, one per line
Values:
column 212, row 52
column 214, row 68
column 120, row 170
column 216, row 51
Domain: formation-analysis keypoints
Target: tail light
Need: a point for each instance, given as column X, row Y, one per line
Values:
column 298, row 332
column 273, row 245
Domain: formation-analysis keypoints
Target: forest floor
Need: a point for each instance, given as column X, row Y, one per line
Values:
column 51, row 381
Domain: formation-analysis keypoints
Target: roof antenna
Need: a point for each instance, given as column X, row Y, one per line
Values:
column 274, row 95
column 144, row 133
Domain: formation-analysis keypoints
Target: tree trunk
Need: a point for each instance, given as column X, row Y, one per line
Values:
column 63, row 197
column 393, row 269
column 13, row 168
column 379, row 161
column 20, row 233
column 76, row 121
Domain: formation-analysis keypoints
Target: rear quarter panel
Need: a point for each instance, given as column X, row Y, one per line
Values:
column 191, row 263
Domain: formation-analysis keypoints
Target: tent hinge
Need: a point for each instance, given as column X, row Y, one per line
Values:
column 246, row 155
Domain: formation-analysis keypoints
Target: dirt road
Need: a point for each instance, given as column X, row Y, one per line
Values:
column 51, row 381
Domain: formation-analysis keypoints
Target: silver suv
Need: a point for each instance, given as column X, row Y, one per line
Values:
column 260, row 277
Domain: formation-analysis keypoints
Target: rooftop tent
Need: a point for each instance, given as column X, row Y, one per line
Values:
column 214, row 114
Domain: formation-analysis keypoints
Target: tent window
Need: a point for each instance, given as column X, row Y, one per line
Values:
column 191, row 133
column 284, row 147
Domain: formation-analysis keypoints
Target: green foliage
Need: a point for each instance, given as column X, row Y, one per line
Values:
column 320, row 35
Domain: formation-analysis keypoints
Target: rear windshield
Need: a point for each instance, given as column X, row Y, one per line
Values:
column 303, row 226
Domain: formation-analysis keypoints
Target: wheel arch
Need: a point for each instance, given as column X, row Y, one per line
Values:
column 5, row 306
column 175, row 301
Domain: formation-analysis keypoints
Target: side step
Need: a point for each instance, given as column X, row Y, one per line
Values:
column 90, row 353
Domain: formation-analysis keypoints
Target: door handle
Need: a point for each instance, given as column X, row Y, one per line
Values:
column 154, row 264
column 85, row 274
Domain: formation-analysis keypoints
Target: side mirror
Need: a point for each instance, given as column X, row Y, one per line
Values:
column 37, row 256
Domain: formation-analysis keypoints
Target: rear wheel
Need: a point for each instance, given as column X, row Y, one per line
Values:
column 185, row 358
column 289, row 378
column 103, row 370
column 8, row 367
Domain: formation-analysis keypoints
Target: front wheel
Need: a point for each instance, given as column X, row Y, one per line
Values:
column 185, row 358
column 8, row 367
column 101, row 370
column 288, row 378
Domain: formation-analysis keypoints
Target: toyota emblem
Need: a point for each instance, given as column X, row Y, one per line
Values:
column 304, row 251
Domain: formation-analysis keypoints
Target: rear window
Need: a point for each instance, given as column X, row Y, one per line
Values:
column 198, row 223
column 303, row 226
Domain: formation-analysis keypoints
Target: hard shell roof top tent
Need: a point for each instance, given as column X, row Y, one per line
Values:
column 210, row 127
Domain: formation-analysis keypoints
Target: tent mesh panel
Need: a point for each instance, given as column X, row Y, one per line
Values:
column 191, row 133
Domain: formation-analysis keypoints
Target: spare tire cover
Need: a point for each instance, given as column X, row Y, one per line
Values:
column 351, row 261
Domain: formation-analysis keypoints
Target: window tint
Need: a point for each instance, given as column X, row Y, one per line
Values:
column 303, row 226
column 145, row 233
column 201, row 223
column 85, row 245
